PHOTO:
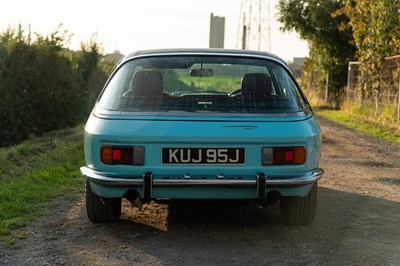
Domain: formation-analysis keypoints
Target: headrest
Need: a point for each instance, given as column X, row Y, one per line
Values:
column 256, row 86
column 147, row 83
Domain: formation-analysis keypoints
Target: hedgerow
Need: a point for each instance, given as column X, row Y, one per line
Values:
column 43, row 84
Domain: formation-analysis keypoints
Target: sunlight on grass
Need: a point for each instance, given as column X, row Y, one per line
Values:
column 34, row 173
column 384, row 131
column 359, row 116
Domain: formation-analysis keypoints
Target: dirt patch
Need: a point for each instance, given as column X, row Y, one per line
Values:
column 357, row 222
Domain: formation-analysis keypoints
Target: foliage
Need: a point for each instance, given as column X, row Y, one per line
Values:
column 92, row 73
column 37, row 86
column 43, row 85
column 330, row 47
column 376, row 27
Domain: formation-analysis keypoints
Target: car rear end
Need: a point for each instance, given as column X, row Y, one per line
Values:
column 202, row 125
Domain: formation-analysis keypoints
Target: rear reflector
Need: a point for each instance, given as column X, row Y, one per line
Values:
column 284, row 156
column 289, row 156
column 122, row 155
column 116, row 156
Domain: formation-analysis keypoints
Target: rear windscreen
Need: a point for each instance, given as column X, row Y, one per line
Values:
column 202, row 84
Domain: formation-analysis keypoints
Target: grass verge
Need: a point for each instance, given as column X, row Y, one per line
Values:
column 358, row 116
column 362, row 124
column 34, row 173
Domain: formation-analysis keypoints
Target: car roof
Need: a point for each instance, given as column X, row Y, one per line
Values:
column 202, row 51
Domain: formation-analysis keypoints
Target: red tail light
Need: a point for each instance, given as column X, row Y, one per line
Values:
column 122, row 155
column 284, row 156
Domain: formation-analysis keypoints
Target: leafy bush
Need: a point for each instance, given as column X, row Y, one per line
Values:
column 43, row 85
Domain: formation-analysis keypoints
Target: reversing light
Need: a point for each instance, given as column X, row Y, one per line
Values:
column 128, row 155
column 283, row 155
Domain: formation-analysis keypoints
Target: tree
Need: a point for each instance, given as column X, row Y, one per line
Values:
column 92, row 72
column 376, row 27
column 331, row 46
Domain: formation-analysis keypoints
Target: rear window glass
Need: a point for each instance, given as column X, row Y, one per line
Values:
column 202, row 84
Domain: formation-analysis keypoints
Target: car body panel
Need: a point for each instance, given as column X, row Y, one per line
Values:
column 157, row 130
column 250, row 135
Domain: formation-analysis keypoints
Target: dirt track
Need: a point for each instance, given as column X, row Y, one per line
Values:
column 357, row 222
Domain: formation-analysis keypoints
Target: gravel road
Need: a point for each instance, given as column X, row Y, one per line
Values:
column 357, row 222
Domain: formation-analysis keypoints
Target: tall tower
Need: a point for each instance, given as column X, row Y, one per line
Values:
column 254, row 31
column 217, row 31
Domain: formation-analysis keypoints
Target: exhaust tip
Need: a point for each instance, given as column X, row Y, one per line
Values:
column 273, row 197
column 134, row 198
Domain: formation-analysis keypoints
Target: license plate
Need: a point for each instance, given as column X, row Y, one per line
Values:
column 203, row 155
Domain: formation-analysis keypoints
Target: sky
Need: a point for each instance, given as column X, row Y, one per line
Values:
column 130, row 25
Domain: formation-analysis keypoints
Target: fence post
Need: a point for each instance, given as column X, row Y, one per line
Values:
column 398, row 103
column 377, row 85
column 377, row 103
column 327, row 87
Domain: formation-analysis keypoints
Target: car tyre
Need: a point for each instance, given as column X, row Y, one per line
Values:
column 100, row 209
column 299, row 210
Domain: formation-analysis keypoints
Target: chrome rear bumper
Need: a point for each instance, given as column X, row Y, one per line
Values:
column 270, row 181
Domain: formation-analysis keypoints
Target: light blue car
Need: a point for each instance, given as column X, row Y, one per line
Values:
column 201, row 125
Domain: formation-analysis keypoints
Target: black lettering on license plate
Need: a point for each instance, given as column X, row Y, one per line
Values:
column 203, row 155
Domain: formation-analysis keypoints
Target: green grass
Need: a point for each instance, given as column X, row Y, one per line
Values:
column 359, row 116
column 221, row 84
column 33, row 174
column 388, row 132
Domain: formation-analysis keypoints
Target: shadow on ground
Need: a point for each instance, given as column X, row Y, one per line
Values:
column 348, row 229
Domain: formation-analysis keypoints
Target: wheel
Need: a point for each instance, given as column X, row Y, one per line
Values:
column 100, row 209
column 299, row 210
